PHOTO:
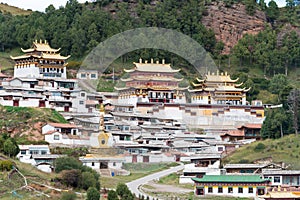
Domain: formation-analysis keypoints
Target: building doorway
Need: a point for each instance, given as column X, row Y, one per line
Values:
column 16, row 103
column 103, row 165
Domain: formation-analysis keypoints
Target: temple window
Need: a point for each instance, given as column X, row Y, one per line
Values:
column 240, row 190
column 250, row 190
column 277, row 179
column 220, row 189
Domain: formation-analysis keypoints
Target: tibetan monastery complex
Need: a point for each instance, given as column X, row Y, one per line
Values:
column 217, row 101
column 214, row 101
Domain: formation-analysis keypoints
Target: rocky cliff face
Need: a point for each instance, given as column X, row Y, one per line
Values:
column 231, row 23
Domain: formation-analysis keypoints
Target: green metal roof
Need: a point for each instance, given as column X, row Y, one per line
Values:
column 230, row 179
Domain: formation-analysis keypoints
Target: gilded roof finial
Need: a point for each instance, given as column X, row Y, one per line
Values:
column 101, row 121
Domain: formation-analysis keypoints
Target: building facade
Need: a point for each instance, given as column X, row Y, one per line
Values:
column 40, row 61
column 231, row 185
column 218, row 88
column 151, row 82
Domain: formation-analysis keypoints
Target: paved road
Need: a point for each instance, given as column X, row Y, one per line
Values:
column 134, row 185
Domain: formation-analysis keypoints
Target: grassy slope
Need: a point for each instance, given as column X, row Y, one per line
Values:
column 13, row 10
column 21, row 119
column 31, row 174
column 284, row 150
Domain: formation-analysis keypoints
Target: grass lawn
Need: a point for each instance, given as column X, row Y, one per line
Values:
column 284, row 150
column 137, row 170
column 173, row 179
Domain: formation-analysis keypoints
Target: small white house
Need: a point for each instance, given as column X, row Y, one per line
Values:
column 191, row 171
column 37, row 155
column 71, row 129
column 106, row 165
column 55, row 137
column 26, row 152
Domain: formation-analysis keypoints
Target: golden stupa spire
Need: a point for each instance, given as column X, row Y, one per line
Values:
column 101, row 121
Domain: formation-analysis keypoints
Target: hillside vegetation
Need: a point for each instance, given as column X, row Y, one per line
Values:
column 12, row 181
column 4, row 8
column 284, row 150
column 22, row 122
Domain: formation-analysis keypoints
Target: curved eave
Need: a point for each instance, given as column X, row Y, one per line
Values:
column 126, row 79
column 129, row 70
column 57, row 57
column 20, row 57
column 200, row 90
column 196, row 84
column 246, row 90
column 159, row 79
column 240, row 84
column 199, row 80
column 119, row 89
column 162, row 71
column 234, row 80
column 183, row 88
column 27, row 50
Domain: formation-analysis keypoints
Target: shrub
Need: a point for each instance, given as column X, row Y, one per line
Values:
column 68, row 196
column 6, row 165
column 87, row 180
column 71, row 177
column 67, row 163
column 93, row 194
column 243, row 161
column 259, row 147
column 112, row 195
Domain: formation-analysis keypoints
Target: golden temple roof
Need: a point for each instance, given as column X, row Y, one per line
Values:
column 152, row 67
column 54, row 56
column 20, row 57
column 41, row 50
column 219, row 78
column 153, row 87
column 40, row 46
column 43, row 55
column 152, row 78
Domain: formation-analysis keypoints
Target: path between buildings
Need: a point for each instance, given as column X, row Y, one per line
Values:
column 134, row 185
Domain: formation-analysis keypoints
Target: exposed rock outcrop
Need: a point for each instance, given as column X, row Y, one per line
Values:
column 231, row 23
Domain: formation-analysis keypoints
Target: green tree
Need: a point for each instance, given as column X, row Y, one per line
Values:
column 279, row 85
column 87, row 180
column 10, row 147
column 262, row 4
column 112, row 195
column 93, row 194
column 294, row 107
column 122, row 189
column 250, row 6
column 67, row 163
column 276, row 124
column 272, row 11
column 71, row 177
